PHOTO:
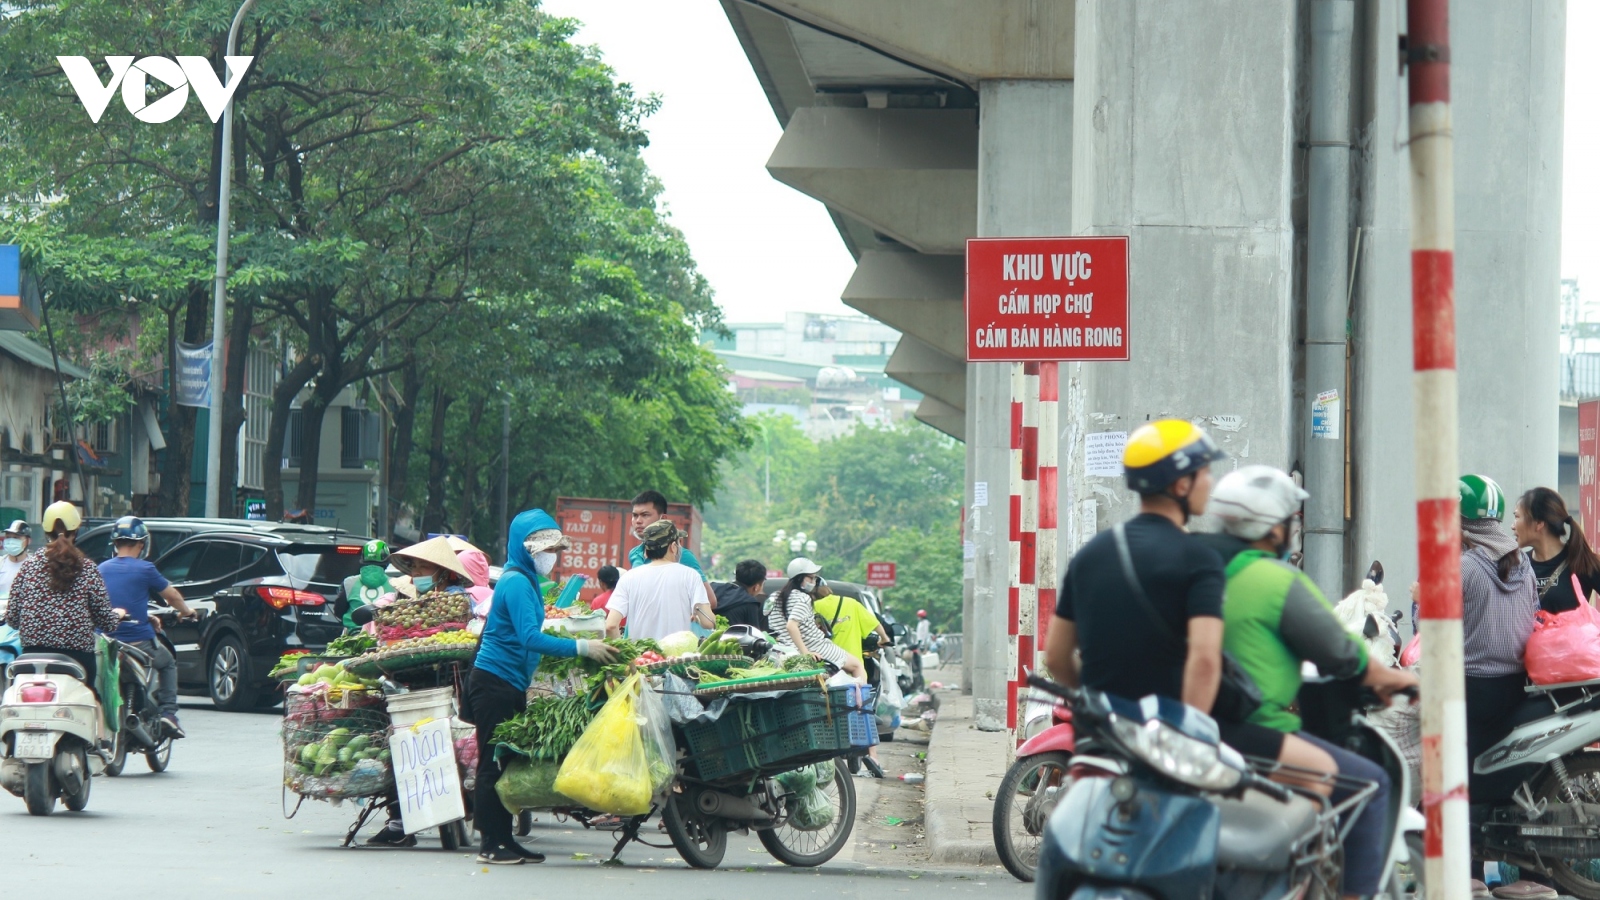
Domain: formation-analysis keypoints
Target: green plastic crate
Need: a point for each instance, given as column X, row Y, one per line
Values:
column 779, row 733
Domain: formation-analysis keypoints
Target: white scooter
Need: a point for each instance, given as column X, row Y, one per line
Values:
column 52, row 731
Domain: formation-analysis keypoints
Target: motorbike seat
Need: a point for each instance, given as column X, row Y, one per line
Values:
column 48, row 664
column 1257, row 832
column 137, row 655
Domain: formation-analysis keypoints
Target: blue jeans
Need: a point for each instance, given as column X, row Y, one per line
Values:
column 1365, row 847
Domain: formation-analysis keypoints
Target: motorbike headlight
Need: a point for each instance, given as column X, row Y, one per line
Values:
column 1176, row 755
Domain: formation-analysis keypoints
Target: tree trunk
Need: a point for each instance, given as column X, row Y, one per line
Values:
column 233, row 403
column 469, row 468
column 312, row 414
column 404, row 438
column 175, row 471
column 433, row 514
column 282, row 405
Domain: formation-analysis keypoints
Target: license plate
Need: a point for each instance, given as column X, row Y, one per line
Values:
column 34, row 745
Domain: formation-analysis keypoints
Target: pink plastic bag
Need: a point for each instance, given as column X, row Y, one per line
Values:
column 1412, row 654
column 1565, row 647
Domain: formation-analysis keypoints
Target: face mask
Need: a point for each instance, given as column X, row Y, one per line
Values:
column 423, row 583
column 808, row 585
column 13, row 546
column 544, row 563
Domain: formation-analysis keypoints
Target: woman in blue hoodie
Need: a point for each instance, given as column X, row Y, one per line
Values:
column 513, row 639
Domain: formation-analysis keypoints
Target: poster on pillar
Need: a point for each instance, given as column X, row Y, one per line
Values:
column 1048, row 298
column 1588, row 453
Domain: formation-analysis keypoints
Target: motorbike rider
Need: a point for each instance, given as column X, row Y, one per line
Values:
column 131, row 580
column 369, row 584
column 508, row 653
column 740, row 600
column 14, row 548
column 1168, row 463
column 792, row 618
column 1557, row 548
column 58, row 599
column 1275, row 618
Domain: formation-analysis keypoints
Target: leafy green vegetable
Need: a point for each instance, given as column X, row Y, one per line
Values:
column 352, row 644
column 548, row 728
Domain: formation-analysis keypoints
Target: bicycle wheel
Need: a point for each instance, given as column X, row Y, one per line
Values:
column 1022, row 806
column 792, row 846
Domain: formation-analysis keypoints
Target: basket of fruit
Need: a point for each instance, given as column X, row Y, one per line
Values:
column 429, row 614
column 454, row 646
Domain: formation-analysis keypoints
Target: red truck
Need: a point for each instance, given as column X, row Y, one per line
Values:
column 601, row 535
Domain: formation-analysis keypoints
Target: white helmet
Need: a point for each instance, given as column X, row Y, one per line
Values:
column 1249, row 501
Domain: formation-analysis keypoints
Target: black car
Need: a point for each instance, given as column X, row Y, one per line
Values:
column 165, row 533
column 259, row 592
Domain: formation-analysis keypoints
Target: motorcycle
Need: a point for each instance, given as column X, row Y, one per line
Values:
column 1551, row 822
column 143, row 730
column 1156, row 807
column 1030, row 790
column 52, row 729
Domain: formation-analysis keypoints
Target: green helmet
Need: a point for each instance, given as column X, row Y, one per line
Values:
column 1481, row 498
column 374, row 551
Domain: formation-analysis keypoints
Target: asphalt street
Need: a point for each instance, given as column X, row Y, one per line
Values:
column 213, row 825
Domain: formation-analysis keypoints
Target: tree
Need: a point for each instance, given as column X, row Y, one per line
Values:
column 927, row 573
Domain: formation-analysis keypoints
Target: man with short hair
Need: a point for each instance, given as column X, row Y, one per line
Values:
column 740, row 600
column 660, row 597
column 651, row 507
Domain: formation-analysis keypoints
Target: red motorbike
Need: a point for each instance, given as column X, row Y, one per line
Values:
column 1028, row 793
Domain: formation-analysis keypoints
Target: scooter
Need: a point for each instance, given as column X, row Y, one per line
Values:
column 1551, row 822
column 1158, row 807
column 52, row 729
column 1031, row 789
column 143, row 730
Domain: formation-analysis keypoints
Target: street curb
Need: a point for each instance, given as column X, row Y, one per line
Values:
column 948, row 830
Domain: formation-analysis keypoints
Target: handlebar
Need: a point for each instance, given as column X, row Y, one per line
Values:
column 1271, row 788
column 1050, row 687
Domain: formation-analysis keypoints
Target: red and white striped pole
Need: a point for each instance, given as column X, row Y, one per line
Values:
column 1019, row 593
column 1048, row 437
column 1433, row 342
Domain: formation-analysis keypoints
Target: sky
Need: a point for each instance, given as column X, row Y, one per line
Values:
column 768, row 249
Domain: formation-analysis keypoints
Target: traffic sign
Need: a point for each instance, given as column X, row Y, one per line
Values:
column 1043, row 299
column 880, row 574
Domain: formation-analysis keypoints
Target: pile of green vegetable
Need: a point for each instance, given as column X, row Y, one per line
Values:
column 352, row 644
column 548, row 728
column 793, row 665
column 594, row 673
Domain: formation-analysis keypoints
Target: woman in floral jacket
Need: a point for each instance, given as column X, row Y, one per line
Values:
column 57, row 599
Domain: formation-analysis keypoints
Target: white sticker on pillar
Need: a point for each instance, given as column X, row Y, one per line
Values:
column 1102, row 453
column 1325, row 418
column 980, row 493
column 969, row 550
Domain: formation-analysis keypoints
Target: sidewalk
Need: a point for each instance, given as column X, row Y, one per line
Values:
column 965, row 766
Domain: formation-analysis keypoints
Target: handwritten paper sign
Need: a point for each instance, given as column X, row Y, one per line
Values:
column 425, row 775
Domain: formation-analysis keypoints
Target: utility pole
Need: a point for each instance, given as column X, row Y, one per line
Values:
column 219, row 296
column 505, row 475
column 1444, row 739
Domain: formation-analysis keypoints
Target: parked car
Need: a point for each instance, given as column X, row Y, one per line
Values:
column 259, row 592
column 165, row 533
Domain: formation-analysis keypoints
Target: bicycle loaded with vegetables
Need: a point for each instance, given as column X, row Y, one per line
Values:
column 132, row 583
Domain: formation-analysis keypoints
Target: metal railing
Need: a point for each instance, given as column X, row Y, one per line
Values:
column 1580, row 376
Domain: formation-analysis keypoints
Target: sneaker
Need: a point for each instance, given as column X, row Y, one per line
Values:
column 501, row 855
column 173, row 728
column 872, row 766
column 532, row 856
column 1525, row 890
column 1480, row 891
column 392, row 835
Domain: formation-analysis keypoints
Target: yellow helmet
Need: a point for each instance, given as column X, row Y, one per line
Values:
column 1160, row 452
column 62, row 515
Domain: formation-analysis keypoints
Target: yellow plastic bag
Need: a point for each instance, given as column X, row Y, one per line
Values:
column 609, row 768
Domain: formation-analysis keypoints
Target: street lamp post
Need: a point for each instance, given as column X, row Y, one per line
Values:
column 219, row 299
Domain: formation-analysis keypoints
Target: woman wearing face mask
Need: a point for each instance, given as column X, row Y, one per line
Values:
column 13, row 549
column 792, row 618
column 509, row 650
column 433, row 566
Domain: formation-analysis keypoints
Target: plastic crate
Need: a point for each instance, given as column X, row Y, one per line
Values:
column 781, row 733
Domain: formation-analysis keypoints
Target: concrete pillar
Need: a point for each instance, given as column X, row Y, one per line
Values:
column 1024, row 189
column 1507, row 64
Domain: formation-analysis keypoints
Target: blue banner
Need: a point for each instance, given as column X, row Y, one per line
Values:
column 193, row 384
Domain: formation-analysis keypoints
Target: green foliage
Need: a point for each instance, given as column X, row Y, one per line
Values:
column 890, row 494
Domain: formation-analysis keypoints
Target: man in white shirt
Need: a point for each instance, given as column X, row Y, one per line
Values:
column 660, row 597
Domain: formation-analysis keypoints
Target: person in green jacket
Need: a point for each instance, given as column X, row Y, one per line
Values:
column 1274, row 619
column 370, row 583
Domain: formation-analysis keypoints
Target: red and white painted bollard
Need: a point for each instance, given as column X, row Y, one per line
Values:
column 1444, row 709
column 1022, row 596
column 1049, row 437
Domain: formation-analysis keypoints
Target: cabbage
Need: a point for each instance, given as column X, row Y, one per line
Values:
column 678, row 644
